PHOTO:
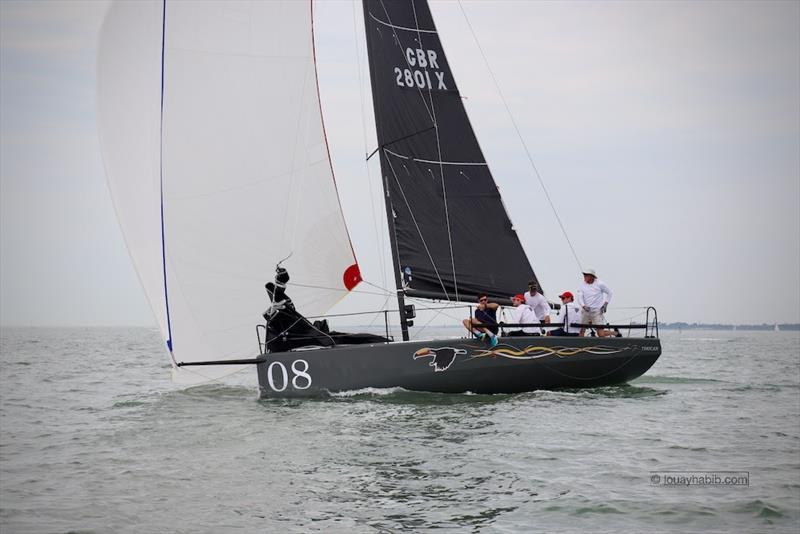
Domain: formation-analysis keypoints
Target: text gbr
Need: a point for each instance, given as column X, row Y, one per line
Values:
column 420, row 77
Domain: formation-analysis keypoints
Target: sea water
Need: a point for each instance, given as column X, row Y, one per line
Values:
column 95, row 438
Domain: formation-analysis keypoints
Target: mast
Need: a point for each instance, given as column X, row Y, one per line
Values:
column 398, row 279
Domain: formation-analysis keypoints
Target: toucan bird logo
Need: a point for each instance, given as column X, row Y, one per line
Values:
column 441, row 358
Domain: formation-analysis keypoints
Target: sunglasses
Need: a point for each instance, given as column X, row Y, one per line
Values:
column 483, row 300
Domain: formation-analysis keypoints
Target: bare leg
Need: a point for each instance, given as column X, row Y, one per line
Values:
column 472, row 326
column 467, row 324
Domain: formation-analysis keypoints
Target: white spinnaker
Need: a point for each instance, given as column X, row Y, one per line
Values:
column 237, row 159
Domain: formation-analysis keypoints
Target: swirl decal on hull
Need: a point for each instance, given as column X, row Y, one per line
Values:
column 444, row 357
column 534, row 352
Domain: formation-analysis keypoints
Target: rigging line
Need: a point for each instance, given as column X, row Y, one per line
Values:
column 386, row 291
column 519, row 135
column 419, row 231
column 208, row 379
column 378, row 314
column 336, row 289
column 405, row 58
column 379, row 237
column 424, row 305
column 276, row 336
column 394, row 247
column 161, row 178
column 384, row 145
column 441, row 167
column 440, row 311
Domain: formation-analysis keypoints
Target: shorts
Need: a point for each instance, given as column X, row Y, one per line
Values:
column 491, row 327
column 593, row 316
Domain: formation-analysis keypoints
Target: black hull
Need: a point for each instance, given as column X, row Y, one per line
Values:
column 516, row 365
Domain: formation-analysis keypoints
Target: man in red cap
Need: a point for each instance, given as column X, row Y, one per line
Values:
column 569, row 313
column 522, row 314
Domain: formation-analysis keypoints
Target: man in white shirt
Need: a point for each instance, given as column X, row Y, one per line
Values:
column 522, row 314
column 536, row 302
column 593, row 298
column 569, row 313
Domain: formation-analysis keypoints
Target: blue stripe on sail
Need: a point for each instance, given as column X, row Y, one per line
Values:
column 161, row 176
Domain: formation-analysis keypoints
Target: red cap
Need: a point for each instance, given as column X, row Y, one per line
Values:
column 565, row 294
column 518, row 296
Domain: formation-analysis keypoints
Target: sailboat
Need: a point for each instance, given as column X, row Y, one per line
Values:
column 217, row 160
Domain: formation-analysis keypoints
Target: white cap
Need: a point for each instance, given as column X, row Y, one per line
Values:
column 590, row 271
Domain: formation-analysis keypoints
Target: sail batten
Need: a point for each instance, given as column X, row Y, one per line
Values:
column 452, row 236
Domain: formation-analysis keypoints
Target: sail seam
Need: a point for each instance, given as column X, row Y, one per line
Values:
column 379, row 21
column 161, row 178
column 433, row 162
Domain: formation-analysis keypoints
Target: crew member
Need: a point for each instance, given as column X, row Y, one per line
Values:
column 569, row 313
column 536, row 302
column 593, row 298
column 484, row 324
column 522, row 314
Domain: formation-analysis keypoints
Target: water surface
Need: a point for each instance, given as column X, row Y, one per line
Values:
column 96, row 439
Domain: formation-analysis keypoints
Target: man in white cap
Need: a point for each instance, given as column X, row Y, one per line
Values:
column 593, row 298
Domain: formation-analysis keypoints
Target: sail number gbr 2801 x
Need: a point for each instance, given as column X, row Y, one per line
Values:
column 417, row 74
column 278, row 376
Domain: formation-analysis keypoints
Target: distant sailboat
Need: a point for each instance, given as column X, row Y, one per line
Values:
column 217, row 161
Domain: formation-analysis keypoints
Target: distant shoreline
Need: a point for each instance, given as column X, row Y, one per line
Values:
column 707, row 326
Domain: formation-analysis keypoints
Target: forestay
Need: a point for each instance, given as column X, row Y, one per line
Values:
column 218, row 166
column 451, row 233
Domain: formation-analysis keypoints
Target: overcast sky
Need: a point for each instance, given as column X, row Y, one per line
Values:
column 668, row 135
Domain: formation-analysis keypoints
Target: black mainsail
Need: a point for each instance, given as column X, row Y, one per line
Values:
column 451, row 236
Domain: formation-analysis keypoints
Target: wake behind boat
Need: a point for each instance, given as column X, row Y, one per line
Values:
column 217, row 160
